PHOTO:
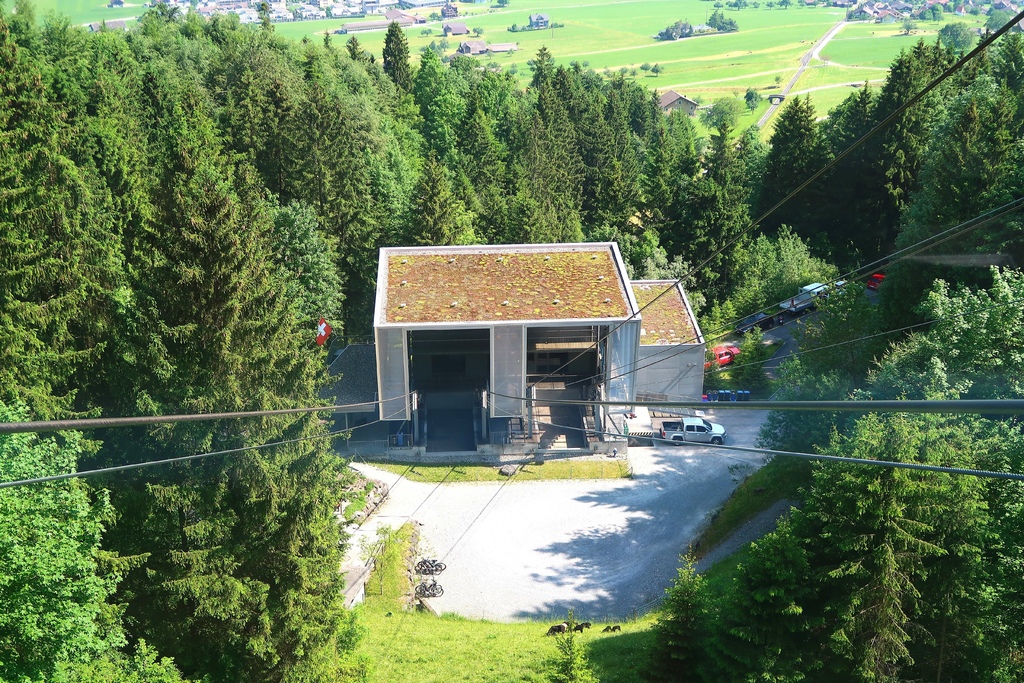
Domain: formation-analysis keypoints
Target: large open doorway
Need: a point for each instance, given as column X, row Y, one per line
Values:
column 449, row 369
column 563, row 363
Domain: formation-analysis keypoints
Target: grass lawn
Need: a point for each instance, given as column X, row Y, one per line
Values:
column 417, row 647
column 86, row 11
column 779, row 479
column 553, row 469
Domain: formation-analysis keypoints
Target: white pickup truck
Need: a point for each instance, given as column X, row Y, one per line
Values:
column 807, row 299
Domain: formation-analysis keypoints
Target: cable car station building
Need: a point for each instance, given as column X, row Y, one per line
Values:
column 463, row 335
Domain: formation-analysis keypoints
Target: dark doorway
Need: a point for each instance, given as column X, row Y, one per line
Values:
column 449, row 369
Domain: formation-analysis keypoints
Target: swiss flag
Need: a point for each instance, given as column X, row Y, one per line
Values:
column 323, row 331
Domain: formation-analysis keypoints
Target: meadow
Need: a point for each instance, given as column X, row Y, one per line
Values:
column 409, row 646
column 617, row 37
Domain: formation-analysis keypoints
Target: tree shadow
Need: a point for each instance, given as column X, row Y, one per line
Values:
column 632, row 563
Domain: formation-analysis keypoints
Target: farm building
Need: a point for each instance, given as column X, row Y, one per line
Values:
column 112, row 25
column 463, row 334
column 503, row 47
column 402, row 18
column 418, row 4
column 455, row 28
column 539, row 21
column 359, row 26
column 472, row 47
column 671, row 100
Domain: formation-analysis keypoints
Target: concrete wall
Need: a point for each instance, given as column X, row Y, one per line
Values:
column 673, row 369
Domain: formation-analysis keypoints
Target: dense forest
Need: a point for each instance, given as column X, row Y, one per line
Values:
column 179, row 203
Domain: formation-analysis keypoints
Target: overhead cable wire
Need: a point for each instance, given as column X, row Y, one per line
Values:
column 1009, row 406
column 827, row 167
column 170, row 461
column 803, row 352
column 887, row 332
column 904, row 254
column 824, row 169
column 1015, row 476
column 112, row 422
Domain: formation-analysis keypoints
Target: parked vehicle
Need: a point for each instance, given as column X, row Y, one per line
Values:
column 722, row 355
column 807, row 298
column 762, row 320
column 693, row 429
column 875, row 280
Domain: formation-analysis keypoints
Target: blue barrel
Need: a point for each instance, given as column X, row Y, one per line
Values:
column 733, row 396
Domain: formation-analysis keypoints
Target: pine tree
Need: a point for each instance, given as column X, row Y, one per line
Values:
column 543, row 67
column 682, row 630
column 871, row 533
column 571, row 665
column 396, row 57
column 762, row 635
column 439, row 217
column 797, row 152
column 60, row 258
column 715, row 219
column 241, row 579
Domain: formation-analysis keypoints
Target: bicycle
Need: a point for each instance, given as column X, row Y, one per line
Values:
column 430, row 567
column 429, row 590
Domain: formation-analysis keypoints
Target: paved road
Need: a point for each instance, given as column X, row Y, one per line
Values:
column 804, row 61
column 533, row 549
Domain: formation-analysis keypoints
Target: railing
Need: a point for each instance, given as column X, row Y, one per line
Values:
column 504, row 438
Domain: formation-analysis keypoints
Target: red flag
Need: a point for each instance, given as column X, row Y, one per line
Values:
column 323, row 331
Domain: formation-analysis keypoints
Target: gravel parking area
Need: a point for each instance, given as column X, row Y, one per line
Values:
column 603, row 547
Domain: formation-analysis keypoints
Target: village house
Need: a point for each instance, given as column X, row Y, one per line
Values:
column 449, row 11
column 420, row 4
column 116, row 3
column 455, row 28
column 538, row 21
column 112, row 25
column 472, row 47
column 402, row 18
column 670, row 100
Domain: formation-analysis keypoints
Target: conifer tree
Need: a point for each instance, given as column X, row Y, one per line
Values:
column 682, row 630
column 396, row 57
column 241, row 579
column 763, row 631
column 871, row 533
column 439, row 218
column 59, row 256
column 797, row 152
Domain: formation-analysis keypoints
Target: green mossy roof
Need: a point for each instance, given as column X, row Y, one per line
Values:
column 576, row 283
column 667, row 321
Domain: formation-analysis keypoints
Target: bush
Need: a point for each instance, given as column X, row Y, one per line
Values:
column 571, row 666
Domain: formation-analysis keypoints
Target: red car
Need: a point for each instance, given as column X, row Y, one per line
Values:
column 875, row 280
column 722, row 355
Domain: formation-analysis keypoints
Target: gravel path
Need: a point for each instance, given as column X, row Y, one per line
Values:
column 762, row 523
column 530, row 550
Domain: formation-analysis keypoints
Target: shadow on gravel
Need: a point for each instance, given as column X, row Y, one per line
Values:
column 634, row 562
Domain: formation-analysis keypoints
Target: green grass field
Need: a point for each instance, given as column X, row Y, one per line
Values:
column 555, row 469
